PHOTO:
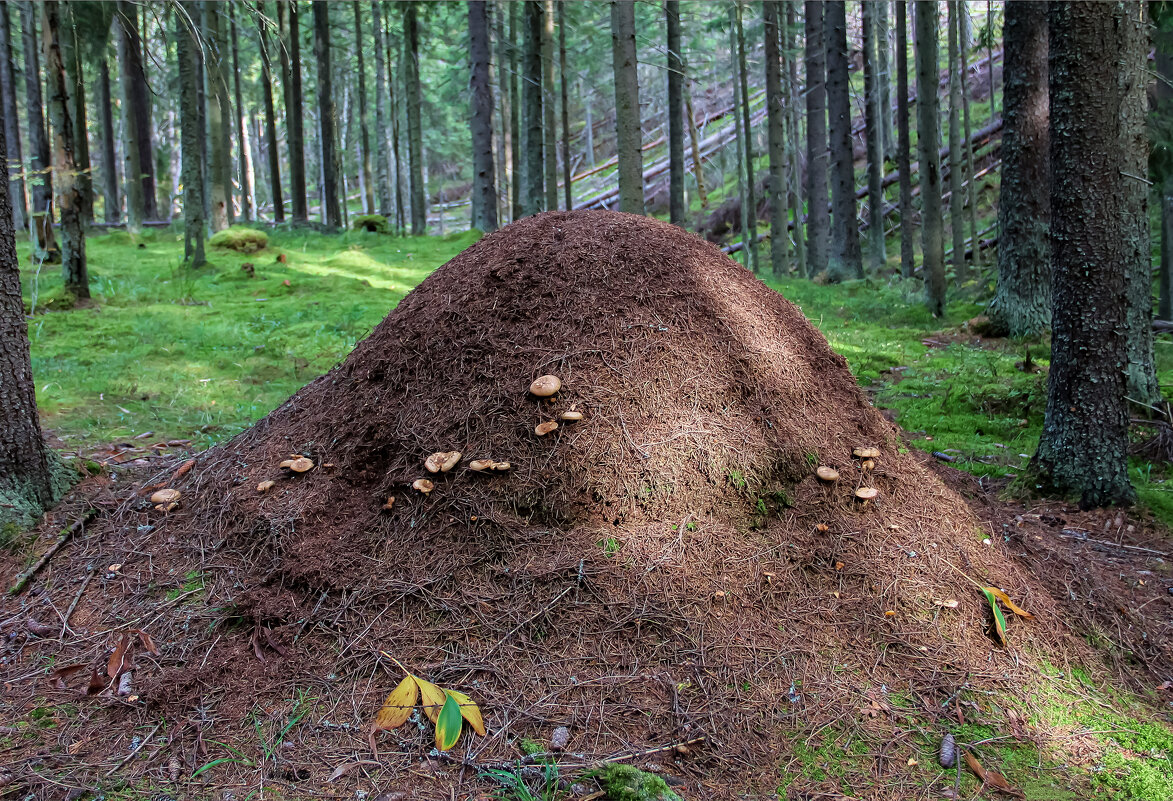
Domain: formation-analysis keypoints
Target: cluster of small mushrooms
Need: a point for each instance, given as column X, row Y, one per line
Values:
column 296, row 463
column 867, row 462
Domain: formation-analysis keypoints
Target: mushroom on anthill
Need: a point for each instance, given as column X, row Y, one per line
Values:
column 265, row 486
column 866, row 453
column 501, row 467
column 423, row 485
column 442, row 462
column 480, row 465
column 828, row 474
column 542, row 429
column 571, row 416
column 868, row 464
column 301, row 465
column 866, row 494
column 166, row 496
column 546, row 386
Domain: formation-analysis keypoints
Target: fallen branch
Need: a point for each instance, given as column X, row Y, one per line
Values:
column 62, row 538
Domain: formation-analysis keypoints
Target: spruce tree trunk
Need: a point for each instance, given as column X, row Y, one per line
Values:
column 776, row 114
column 904, row 143
column 111, row 208
column 14, row 166
column 792, row 48
column 750, row 213
column 884, row 78
column 505, row 167
column 818, row 220
column 846, row 259
column 27, row 483
column 928, row 144
column 533, row 196
column 1163, row 156
column 65, row 168
column 327, row 116
column 874, row 133
column 568, row 192
column 246, row 210
column 1098, row 243
column 517, row 183
column 549, row 106
column 415, row 134
column 676, row 209
column 694, row 140
column 219, row 117
column 484, row 188
column 739, row 138
column 967, row 137
column 956, row 175
column 628, row 138
column 364, row 135
column 71, row 54
column 289, row 21
column 41, row 181
column 382, row 149
column 136, row 99
column 191, row 134
column 270, row 121
column 400, row 211
column 1022, row 301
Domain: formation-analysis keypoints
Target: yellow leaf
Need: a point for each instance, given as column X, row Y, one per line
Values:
column 433, row 698
column 448, row 724
column 469, row 711
column 999, row 618
column 1004, row 598
column 397, row 708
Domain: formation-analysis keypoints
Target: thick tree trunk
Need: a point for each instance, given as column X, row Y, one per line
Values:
column 928, row 144
column 41, row 181
column 517, row 179
column 382, row 149
column 27, row 481
column 874, row 134
column 776, row 114
column 65, row 168
column 791, row 49
column 191, row 133
column 818, row 221
column 246, row 210
column 846, row 260
column 750, row 212
column 904, row 142
column 533, row 195
column 364, row 135
column 675, row 114
column 484, row 183
column 956, row 175
column 1162, row 159
column 549, row 106
column 1099, row 244
column 136, row 113
column 327, row 115
column 270, row 121
column 1022, row 301
column 289, row 21
column 219, row 117
column 628, row 138
column 568, row 192
column 111, row 208
column 415, row 135
column 14, row 166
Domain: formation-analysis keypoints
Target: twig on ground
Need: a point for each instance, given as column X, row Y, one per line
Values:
column 62, row 538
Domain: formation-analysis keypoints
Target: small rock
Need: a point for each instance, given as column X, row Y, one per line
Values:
column 560, row 739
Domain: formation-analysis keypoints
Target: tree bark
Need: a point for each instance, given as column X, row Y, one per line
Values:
column 1022, row 301
column 295, row 135
column 791, row 49
column 191, row 133
column 14, row 167
column 68, row 189
column 484, row 183
column 818, row 221
column 364, row 135
column 382, row 150
column 219, row 117
column 71, row 52
column 327, row 115
column 1098, row 243
column 567, row 178
column 904, row 142
column 111, row 208
column 956, row 176
column 41, row 182
column 415, row 136
column 242, row 142
column 846, row 260
column 533, row 195
column 884, row 79
column 628, row 137
column 694, row 140
column 517, row 179
column 874, row 134
column 270, row 120
column 928, row 142
column 1162, row 158
column 675, row 114
column 136, row 120
column 27, row 484
column 971, row 188
column 549, row 106
column 750, row 213
column 776, row 114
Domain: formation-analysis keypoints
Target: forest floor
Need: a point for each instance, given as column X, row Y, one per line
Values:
column 166, row 360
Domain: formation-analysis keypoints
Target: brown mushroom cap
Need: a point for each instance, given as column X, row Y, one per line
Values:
column 866, row 493
column 480, row 465
column 868, row 464
column 301, row 465
column 265, row 486
column 390, row 502
column 442, row 461
column 423, row 485
column 165, row 507
column 543, row 429
column 500, row 467
column 286, row 463
column 546, row 386
column 827, row 473
column 866, row 453
column 571, row 416
column 166, row 496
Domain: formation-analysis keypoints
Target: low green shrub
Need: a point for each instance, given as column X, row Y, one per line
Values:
column 240, row 239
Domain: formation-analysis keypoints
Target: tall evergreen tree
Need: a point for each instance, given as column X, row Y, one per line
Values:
column 14, row 166
column 138, row 148
column 327, row 116
column 533, row 196
column 238, row 117
column 111, row 207
column 382, row 148
column 675, row 114
column 562, row 71
column 884, row 79
column 549, row 106
column 956, row 196
column 71, row 53
column 219, row 117
column 776, row 115
column 846, row 259
column 874, row 133
column 270, row 117
column 749, row 214
column 415, row 134
column 484, row 188
column 818, row 221
column 41, row 180
column 187, row 46
column 516, row 94
column 928, row 135
column 791, row 50
column 628, row 138
column 904, row 142
column 367, row 179
column 289, row 20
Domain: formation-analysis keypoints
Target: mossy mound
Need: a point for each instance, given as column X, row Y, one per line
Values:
column 240, row 239
column 374, row 223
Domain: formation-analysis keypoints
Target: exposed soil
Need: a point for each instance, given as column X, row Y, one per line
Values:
column 666, row 571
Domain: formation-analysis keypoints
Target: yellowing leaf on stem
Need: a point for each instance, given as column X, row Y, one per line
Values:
column 397, row 707
column 469, row 711
column 999, row 618
column 1004, row 598
column 433, row 698
column 448, row 723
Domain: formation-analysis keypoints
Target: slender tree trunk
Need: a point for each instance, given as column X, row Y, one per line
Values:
column 971, row 188
column 694, row 139
column 928, row 142
column 368, row 181
column 549, row 105
column 818, row 221
column 71, row 52
column 69, row 196
column 884, row 79
column 27, row 481
column 874, row 124
column 1163, row 155
column 219, row 117
column 589, row 123
column 112, row 210
column 383, row 152
column 415, row 140
column 562, row 72
column 534, row 195
column 904, row 143
column 517, row 182
column 628, row 137
column 400, row 214
column 245, row 183
column 791, row 50
column 739, row 132
column 505, row 168
column 1022, row 301
column 750, row 214
column 956, row 174
column 1099, row 244
column 776, row 113
column 1165, row 302
column 484, row 184
column 294, row 119
column 327, row 115
column 675, row 115
column 136, row 99
column 14, row 166
column 41, row 182
column 270, row 121
column 187, row 55
column 846, row 260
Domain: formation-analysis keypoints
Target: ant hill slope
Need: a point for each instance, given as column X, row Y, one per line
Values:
column 666, row 571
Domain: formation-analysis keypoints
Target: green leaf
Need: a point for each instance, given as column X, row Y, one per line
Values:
column 999, row 618
column 448, row 724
